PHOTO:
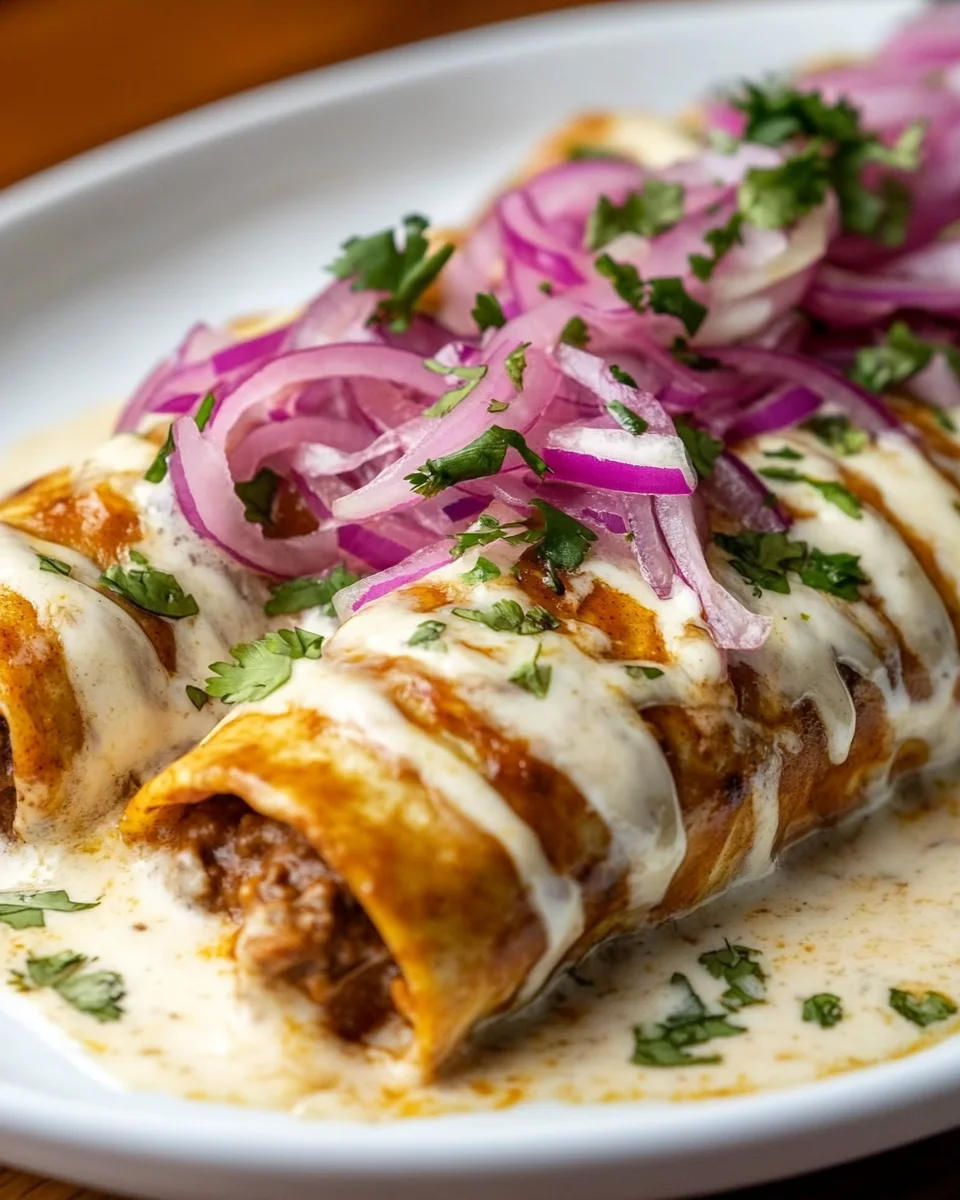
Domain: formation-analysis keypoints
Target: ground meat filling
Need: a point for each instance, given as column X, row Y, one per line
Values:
column 298, row 921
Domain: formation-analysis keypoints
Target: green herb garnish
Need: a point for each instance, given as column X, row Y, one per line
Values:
column 507, row 616
column 627, row 419
column 653, row 210
column 783, row 452
column 637, row 672
column 296, row 595
column 738, row 968
column 575, row 333
column 838, row 433
column 24, row 910
column 378, row 264
column 428, row 633
column 197, row 696
column 765, row 559
column 483, row 456
column 261, row 667
column 157, row 470
column 564, row 543
column 899, row 357
column 622, row 376
column 702, row 449
column 922, row 1010
column 152, row 590
column 488, row 530
column 534, row 676
column 664, row 295
column 487, row 312
column 721, row 241
column 824, row 1008
column 833, row 492
column 97, row 993
column 481, row 572
column 449, row 400
column 55, row 566
column 667, row 1043
column 516, row 363
column 258, row 495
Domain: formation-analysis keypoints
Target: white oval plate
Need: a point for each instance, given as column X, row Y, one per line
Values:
column 234, row 208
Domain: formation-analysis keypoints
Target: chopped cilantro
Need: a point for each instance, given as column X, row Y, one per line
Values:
column 564, row 544
column 516, row 363
column 738, row 968
column 258, row 495
column 449, row 400
column 377, row 263
column 824, row 1008
column 899, row 357
column 833, row 492
column 922, row 1010
column 296, row 595
column 481, row 572
column 24, row 910
column 721, row 241
column 680, row 349
column 483, row 456
column 56, row 566
column 197, row 696
column 622, row 376
column 666, row 1044
column 783, row 452
column 764, row 559
column 428, row 633
column 157, row 470
column 702, row 449
column 497, row 406
column 97, row 993
column 152, row 590
column 670, row 297
column 488, row 530
column 772, row 197
column 575, row 333
column 626, row 418
column 626, row 281
column 534, row 676
column 507, row 616
column 487, row 312
column 653, row 210
column 837, row 432
column 638, row 672
column 263, row 666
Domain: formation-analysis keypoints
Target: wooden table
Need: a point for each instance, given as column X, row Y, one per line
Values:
column 74, row 73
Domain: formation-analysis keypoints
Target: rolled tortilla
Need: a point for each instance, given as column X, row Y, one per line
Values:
column 414, row 838
column 92, row 687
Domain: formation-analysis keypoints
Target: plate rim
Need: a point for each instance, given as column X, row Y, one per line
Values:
column 581, row 1135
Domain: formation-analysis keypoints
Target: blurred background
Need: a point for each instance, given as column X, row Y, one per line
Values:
column 75, row 73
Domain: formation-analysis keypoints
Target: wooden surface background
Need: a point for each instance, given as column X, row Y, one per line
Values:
column 75, row 73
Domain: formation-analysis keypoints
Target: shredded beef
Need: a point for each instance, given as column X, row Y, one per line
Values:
column 298, row 921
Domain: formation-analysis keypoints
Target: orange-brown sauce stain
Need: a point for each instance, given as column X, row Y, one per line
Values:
column 632, row 631
column 95, row 521
column 158, row 630
column 43, row 719
column 923, row 419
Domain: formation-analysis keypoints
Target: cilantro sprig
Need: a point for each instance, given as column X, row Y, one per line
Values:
column 154, row 591
column 97, row 993
column 767, row 559
column 378, row 263
column 311, row 591
column 563, row 544
column 481, row 457
column 260, row 667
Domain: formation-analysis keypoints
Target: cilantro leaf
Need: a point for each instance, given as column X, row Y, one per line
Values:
column 899, row 357
column 24, row 910
column 564, row 544
column 666, row 1044
column 516, row 363
column 157, row 470
column 487, row 312
column 534, row 677
column 670, row 297
column 377, row 263
column 777, row 114
column 575, row 333
column 296, row 595
column 702, row 449
column 627, row 419
column 258, row 495
column 622, row 376
column 97, row 993
column 481, row 572
column 154, row 591
column 824, row 1008
column 773, row 197
column 428, row 633
column 497, row 406
column 488, row 530
column 481, row 457
column 833, row 492
column 839, row 433
column 680, row 349
column 261, row 667
column 449, row 400
column 738, row 968
column 626, row 281
column 922, row 1010
column 197, row 696
column 764, row 559
column 581, row 151
column 640, row 672
column 55, row 566
column 653, row 210
column 507, row 616
column 783, row 452
column 721, row 241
